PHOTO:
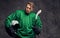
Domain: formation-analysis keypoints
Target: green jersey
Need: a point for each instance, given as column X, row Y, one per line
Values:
column 25, row 23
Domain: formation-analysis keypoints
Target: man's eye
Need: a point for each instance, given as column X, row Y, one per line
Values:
column 29, row 8
column 26, row 7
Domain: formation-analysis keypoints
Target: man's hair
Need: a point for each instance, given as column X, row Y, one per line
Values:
column 31, row 4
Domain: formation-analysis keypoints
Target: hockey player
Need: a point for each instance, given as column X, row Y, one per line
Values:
column 24, row 23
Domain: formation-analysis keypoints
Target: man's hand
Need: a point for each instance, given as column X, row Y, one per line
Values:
column 36, row 29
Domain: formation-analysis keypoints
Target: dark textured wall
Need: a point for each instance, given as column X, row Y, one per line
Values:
column 49, row 16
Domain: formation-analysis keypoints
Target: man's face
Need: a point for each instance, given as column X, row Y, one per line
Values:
column 28, row 8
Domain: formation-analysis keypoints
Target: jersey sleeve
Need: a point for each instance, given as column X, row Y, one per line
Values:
column 39, row 23
column 9, row 19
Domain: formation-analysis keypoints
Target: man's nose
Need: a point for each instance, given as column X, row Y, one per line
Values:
column 28, row 9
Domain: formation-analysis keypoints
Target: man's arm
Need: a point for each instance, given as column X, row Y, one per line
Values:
column 9, row 20
column 8, row 25
column 37, row 25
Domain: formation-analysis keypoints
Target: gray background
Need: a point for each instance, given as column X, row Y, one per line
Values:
column 49, row 16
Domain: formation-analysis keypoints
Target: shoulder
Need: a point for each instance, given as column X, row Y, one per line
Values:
column 19, row 10
column 33, row 14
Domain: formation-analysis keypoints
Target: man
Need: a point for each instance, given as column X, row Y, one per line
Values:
column 27, row 26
